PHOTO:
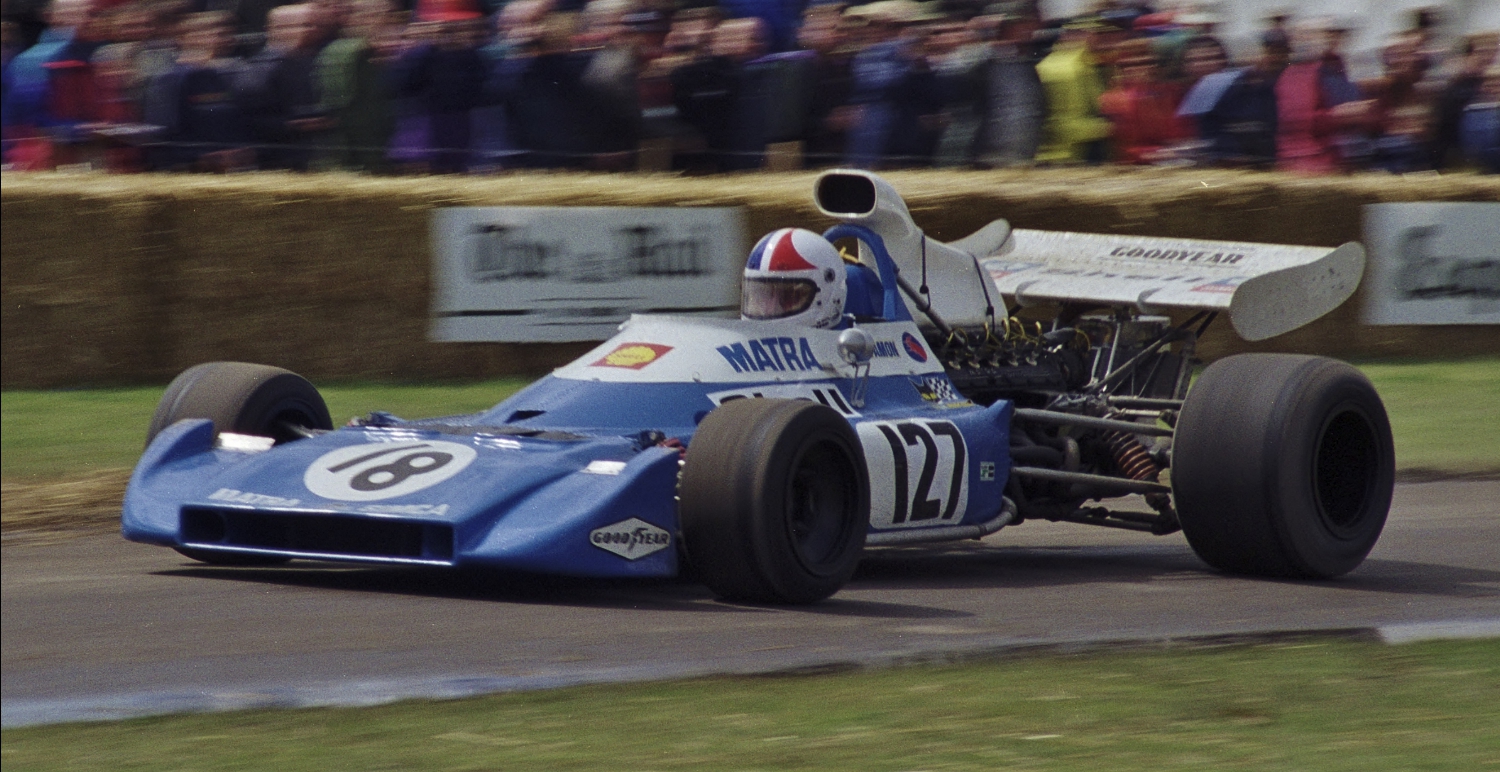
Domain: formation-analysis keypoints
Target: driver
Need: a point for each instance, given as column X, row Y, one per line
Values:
column 797, row 275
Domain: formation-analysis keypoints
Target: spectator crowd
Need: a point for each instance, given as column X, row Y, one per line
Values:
column 474, row 86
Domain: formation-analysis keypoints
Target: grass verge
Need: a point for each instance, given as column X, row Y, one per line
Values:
column 1309, row 706
column 1445, row 415
column 65, row 455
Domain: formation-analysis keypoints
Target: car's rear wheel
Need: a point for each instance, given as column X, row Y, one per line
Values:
column 1282, row 466
column 774, row 501
column 244, row 399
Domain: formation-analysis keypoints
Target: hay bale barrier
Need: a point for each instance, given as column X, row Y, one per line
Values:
column 130, row 279
column 88, row 502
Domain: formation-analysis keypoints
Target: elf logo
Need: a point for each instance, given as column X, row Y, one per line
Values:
column 914, row 347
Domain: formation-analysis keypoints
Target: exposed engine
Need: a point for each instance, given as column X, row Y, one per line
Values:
column 1096, row 398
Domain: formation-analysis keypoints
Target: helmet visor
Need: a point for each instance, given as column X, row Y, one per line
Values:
column 776, row 298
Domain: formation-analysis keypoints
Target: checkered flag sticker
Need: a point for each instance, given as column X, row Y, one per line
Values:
column 936, row 389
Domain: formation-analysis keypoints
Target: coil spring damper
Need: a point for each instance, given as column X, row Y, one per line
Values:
column 1131, row 456
column 1135, row 461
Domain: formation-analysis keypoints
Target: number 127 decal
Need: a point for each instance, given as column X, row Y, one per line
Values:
column 918, row 472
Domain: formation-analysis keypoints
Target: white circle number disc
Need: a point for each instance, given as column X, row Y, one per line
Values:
column 385, row 470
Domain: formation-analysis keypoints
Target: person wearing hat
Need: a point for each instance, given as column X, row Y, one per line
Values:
column 1277, row 33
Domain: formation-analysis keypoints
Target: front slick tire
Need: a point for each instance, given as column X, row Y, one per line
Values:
column 1283, row 466
column 774, row 501
column 243, row 398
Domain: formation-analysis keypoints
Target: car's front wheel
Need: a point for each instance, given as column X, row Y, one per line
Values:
column 1283, row 465
column 241, row 398
column 774, row 501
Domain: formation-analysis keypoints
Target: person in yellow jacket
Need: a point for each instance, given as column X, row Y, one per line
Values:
column 1074, row 131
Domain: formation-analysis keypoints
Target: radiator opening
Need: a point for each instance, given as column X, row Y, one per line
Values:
column 323, row 535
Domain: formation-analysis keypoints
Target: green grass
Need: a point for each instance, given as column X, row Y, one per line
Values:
column 1445, row 415
column 1310, row 707
column 59, row 433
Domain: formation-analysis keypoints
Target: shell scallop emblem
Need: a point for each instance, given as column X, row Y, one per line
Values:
column 633, row 356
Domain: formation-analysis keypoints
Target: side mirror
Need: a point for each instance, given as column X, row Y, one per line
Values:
column 856, row 346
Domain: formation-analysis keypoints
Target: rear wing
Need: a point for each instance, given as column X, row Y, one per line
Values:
column 1267, row 289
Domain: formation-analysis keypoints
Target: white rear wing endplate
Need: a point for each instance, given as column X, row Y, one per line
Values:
column 1268, row 289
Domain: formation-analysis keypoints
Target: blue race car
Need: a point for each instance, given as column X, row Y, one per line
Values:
column 767, row 453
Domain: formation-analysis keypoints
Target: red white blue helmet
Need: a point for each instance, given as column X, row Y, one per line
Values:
column 794, row 274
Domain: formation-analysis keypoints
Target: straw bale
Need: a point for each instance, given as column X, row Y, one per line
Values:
column 77, row 272
column 89, row 501
column 133, row 278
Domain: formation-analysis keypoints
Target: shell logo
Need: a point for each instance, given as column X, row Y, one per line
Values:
column 633, row 356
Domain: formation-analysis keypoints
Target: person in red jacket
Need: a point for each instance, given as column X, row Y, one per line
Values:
column 1309, row 95
column 1142, row 106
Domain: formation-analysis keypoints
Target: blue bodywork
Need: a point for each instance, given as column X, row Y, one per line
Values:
column 575, row 474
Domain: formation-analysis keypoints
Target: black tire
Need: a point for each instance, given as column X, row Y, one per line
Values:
column 246, row 399
column 242, row 398
column 1283, row 466
column 774, row 501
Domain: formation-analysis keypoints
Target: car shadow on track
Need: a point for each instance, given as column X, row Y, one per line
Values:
column 1400, row 577
column 678, row 594
column 478, row 585
column 966, row 565
column 954, row 566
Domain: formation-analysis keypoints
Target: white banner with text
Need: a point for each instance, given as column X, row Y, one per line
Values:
column 1433, row 263
column 574, row 273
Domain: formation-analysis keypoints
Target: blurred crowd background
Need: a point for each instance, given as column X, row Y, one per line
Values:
column 478, row 86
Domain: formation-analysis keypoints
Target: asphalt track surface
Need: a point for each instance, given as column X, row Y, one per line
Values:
column 96, row 628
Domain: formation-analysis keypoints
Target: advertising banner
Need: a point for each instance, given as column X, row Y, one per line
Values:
column 575, row 273
column 1433, row 263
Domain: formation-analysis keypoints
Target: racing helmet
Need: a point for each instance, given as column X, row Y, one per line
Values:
column 794, row 274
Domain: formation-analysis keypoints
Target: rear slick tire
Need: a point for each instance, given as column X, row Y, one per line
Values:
column 1282, row 466
column 774, row 501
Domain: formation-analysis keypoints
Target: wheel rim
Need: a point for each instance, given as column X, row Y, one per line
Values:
column 820, row 506
column 1345, row 469
column 297, row 414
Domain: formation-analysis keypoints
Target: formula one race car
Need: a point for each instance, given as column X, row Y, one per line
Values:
column 764, row 456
